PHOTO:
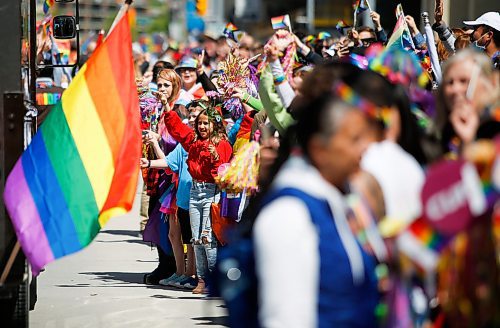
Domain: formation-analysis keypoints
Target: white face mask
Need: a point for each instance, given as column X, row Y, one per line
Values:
column 476, row 45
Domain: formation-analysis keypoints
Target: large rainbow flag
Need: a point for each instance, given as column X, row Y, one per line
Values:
column 82, row 166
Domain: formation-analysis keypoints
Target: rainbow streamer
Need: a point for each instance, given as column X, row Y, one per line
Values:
column 348, row 95
column 81, row 167
column 241, row 175
column 367, row 231
column 47, row 4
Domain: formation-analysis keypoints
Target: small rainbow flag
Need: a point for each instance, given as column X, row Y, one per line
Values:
column 359, row 6
column 427, row 235
column 324, row 35
column 341, row 25
column 422, row 244
column 281, row 22
column 232, row 32
column 230, row 28
column 81, row 167
column 47, row 4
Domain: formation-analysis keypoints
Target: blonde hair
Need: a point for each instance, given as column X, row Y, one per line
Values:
column 174, row 78
column 486, row 71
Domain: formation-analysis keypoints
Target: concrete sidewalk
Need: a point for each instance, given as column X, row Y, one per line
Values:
column 101, row 286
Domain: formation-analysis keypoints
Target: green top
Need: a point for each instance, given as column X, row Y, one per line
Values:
column 273, row 106
column 252, row 102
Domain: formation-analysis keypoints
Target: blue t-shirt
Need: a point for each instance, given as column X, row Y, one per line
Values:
column 176, row 161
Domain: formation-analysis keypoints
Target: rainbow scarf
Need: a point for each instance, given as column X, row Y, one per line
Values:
column 82, row 166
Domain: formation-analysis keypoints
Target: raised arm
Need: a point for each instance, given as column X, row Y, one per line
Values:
column 178, row 130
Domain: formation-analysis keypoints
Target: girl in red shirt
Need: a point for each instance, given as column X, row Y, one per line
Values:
column 207, row 148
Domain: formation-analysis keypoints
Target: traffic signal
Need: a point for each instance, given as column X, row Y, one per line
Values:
column 201, row 7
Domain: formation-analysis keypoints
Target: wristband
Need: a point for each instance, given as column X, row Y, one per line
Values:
column 246, row 98
column 149, row 163
column 279, row 79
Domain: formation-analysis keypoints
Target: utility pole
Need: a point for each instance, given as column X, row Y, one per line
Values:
column 310, row 16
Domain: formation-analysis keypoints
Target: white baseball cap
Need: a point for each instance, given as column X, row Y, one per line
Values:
column 491, row 19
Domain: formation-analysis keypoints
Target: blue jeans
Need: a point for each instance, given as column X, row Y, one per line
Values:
column 202, row 196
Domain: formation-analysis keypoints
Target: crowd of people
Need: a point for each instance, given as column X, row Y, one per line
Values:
column 289, row 176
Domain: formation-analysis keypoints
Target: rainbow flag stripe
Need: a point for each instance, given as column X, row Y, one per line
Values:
column 230, row 27
column 401, row 36
column 427, row 236
column 81, row 168
column 232, row 32
column 280, row 22
column 359, row 7
column 341, row 25
column 47, row 4
column 422, row 244
column 324, row 35
column 47, row 98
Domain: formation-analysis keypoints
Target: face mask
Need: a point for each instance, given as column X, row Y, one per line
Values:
column 475, row 44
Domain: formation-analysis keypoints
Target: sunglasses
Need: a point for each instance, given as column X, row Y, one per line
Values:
column 187, row 70
column 368, row 41
column 160, row 85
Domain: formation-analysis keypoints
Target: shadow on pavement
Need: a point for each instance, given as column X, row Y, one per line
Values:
column 132, row 241
column 212, row 321
column 130, row 277
column 130, row 233
column 177, row 297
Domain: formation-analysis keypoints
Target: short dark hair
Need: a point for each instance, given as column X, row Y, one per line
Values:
column 496, row 34
column 158, row 66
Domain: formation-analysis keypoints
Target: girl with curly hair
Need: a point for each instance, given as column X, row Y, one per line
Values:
column 207, row 148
